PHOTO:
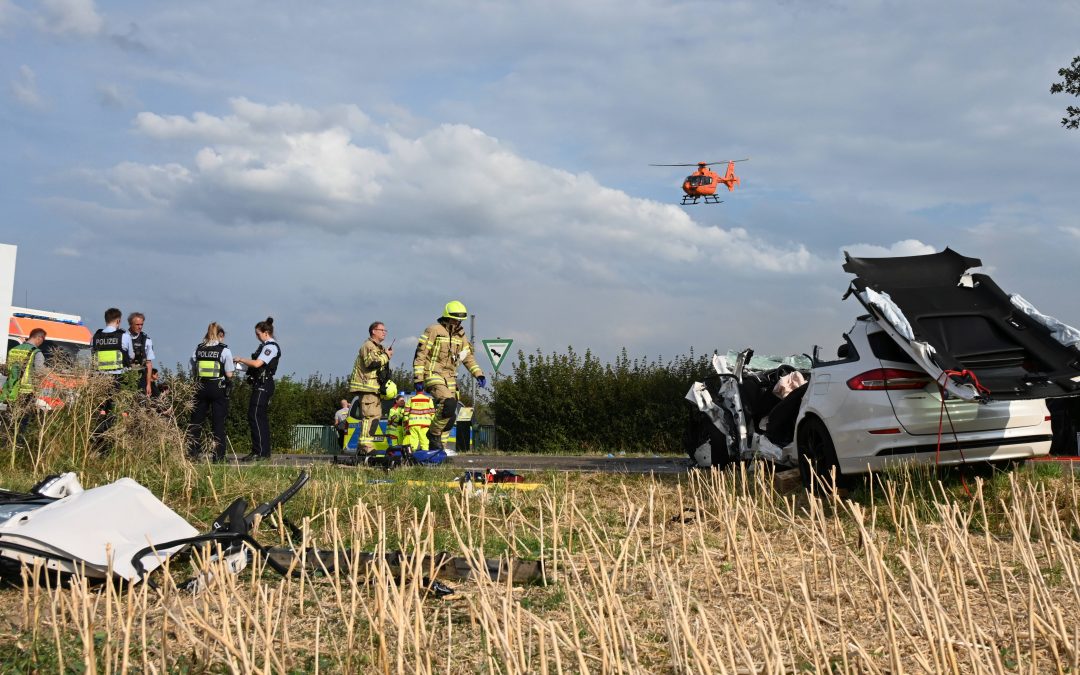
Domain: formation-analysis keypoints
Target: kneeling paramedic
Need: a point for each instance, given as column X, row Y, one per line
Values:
column 370, row 375
column 440, row 349
column 213, row 368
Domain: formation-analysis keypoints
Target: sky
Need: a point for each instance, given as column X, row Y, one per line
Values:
column 331, row 164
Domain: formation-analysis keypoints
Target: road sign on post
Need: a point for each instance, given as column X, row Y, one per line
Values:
column 496, row 350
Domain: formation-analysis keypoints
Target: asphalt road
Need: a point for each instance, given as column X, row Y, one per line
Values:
column 575, row 463
column 521, row 463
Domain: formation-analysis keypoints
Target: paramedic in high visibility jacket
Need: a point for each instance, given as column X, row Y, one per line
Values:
column 441, row 348
column 419, row 412
column 213, row 368
column 112, row 355
column 262, row 366
column 25, row 364
column 396, row 421
column 372, row 360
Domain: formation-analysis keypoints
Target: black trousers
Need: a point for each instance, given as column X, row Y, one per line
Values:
column 23, row 409
column 210, row 398
column 258, row 420
column 104, row 414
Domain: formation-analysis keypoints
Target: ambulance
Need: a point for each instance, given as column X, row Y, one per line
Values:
column 67, row 342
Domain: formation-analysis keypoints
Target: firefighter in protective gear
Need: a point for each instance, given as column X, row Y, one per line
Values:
column 372, row 363
column 396, row 421
column 441, row 348
column 25, row 362
column 419, row 412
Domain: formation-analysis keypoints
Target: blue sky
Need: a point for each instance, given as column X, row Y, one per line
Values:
column 339, row 163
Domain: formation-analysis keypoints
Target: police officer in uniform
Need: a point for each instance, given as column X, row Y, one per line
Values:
column 262, row 366
column 112, row 355
column 143, row 347
column 212, row 366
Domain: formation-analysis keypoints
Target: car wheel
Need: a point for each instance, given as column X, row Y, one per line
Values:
column 816, row 451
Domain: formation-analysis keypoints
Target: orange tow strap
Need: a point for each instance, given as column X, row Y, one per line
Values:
column 944, row 412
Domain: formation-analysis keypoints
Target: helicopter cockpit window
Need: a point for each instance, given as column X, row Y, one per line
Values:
column 698, row 181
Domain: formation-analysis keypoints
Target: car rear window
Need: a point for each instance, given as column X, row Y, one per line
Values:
column 886, row 349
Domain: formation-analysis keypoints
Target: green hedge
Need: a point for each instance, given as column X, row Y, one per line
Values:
column 574, row 403
column 551, row 403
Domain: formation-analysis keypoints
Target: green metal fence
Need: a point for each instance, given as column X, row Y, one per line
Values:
column 314, row 438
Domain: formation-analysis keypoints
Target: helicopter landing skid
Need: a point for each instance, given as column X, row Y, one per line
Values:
column 709, row 199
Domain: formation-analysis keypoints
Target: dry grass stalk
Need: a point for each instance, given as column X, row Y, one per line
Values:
column 716, row 574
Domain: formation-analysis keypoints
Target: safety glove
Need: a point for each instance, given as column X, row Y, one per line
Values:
column 482, row 381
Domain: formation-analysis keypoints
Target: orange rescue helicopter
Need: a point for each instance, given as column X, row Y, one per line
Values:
column 705, row 181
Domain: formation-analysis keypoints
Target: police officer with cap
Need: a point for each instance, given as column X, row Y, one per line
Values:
column 212, row 366
column 262, row 366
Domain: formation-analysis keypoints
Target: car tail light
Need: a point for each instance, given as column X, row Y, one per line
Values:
column 885, row 379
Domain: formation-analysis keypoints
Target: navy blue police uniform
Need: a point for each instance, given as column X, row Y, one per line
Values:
column 262, row 390
column 113, row 352
column 212, row 365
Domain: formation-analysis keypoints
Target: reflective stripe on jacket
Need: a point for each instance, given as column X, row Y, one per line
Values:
column 208, row 363
column 20, row 371
column 109, row 353
column 365, row 374
column 395, row 419
column 420, row 410
column 439, row 352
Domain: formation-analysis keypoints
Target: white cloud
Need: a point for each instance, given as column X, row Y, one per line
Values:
column 907, row 247
column 70, row 17
column 67, row 252
column 24, row 88
column 334, row 170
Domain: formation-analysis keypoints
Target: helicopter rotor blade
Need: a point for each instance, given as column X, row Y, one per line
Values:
column 723, row 161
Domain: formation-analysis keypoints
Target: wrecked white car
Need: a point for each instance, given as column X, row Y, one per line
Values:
column 945, row 369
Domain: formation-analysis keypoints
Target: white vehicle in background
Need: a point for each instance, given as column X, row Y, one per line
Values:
column 946, row 369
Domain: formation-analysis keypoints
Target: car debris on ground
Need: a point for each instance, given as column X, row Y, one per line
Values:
column 122, row 532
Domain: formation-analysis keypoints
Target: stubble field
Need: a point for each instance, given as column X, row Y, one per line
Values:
column 713, row 572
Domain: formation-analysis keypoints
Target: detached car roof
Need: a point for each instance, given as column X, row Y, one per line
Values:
column 970, row 324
